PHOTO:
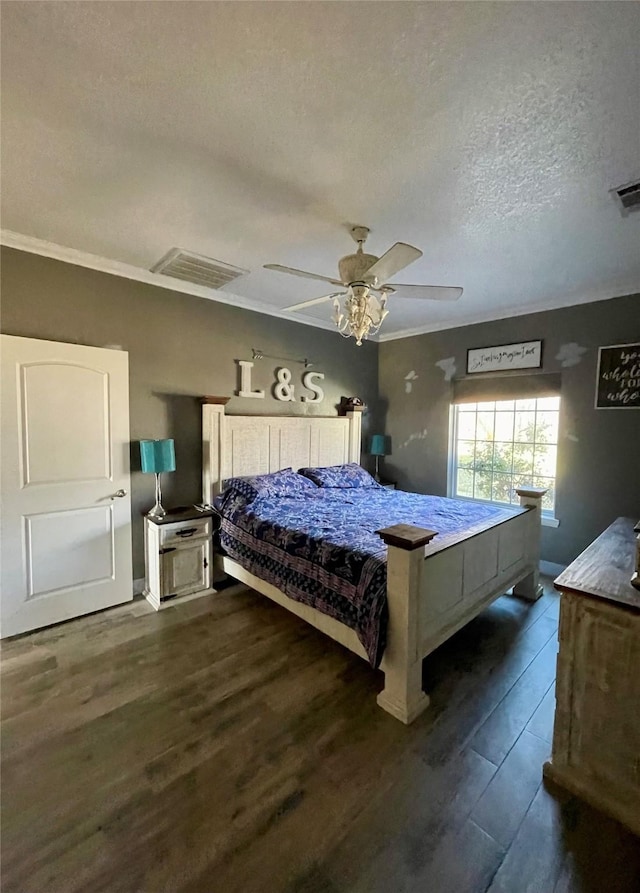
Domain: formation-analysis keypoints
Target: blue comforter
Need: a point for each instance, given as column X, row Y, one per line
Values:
column 321, row 547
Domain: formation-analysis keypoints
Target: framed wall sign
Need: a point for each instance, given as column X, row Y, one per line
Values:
column 618, row 378
column 524, row 355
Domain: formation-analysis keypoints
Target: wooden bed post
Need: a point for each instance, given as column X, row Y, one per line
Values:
column 212, row 442
column 355, row 433
column 402, row 695
column 529, row 587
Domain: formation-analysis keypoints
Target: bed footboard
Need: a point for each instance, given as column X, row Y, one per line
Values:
column 434, row 589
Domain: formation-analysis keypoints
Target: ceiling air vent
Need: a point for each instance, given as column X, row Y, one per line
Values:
column 628, row 197
column 197, row 269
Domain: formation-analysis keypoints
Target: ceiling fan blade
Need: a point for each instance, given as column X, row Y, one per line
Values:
column 313, row 301
column 426, row 292
column 280, row 269
column 395, row 259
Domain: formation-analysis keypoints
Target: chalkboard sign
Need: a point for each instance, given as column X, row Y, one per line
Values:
column 618, row 379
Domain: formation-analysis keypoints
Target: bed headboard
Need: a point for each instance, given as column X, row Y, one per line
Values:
column 240, row 445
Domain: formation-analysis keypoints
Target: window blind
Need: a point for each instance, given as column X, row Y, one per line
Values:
column 486, row 389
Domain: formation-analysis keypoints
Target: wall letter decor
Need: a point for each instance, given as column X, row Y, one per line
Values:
column 310, row 385
column 245, row 381
column 283, row 389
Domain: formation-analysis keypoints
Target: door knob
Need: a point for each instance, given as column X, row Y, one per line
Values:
column 119, row 494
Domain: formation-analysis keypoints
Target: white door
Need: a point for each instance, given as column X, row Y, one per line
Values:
column 66, row 509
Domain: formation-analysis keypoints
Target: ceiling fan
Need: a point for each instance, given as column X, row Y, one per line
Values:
column 365, row 289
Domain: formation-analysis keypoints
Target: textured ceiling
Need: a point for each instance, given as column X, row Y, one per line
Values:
column 489, row 135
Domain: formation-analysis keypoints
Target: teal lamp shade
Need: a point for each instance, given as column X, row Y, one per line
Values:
column 378, row 445
column 157, row 456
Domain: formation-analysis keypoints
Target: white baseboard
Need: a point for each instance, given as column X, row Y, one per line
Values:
column 549, row 569
column 138, row 586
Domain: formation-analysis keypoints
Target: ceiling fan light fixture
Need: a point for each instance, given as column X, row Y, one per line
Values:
column 361, row 315
column 357, row 312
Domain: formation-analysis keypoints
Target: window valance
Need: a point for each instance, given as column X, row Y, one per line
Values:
column 488, row 388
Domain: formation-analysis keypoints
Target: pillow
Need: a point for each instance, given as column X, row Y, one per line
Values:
column 280, row 483
column 342, row 476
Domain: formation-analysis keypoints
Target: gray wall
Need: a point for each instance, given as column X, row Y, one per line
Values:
column 599, row 450
column 180, row 347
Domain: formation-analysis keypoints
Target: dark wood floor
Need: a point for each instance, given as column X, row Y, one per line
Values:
column 222, row 745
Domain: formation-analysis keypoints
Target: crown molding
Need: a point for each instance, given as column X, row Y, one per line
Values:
column 620, row 291
column 73, row 256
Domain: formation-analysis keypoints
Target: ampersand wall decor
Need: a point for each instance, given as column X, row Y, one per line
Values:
column 283, row 389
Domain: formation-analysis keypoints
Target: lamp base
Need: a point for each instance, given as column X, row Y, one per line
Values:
column 376, row 475
column 157, row 513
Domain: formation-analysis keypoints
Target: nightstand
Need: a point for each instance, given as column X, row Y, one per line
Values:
column 178, row 556
column 388, row 485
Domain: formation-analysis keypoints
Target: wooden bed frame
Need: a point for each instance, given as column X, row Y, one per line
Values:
column 433, row 588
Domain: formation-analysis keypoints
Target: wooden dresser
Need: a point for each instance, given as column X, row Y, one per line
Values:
column 596, row 737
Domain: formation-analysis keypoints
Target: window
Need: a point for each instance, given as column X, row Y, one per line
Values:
column 505, row 444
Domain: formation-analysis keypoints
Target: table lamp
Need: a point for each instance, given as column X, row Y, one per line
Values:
column 157, row 456
column 377, row 448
